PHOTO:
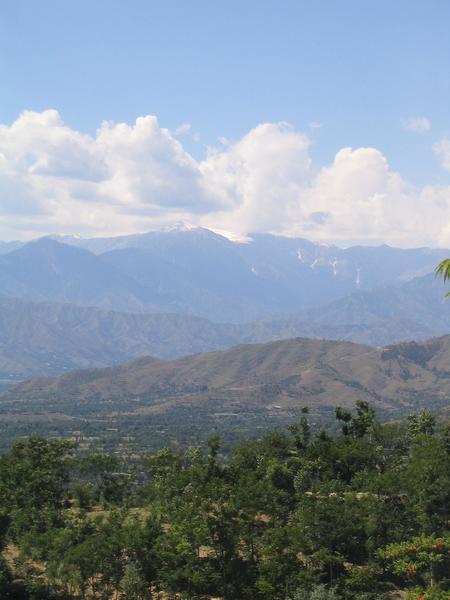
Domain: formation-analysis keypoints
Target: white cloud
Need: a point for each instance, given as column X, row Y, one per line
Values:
column 129, row 178
column 148, row 169
column 417, row 124
column 186, row 129
column 359, row 198
column 259, row 177
column 183, row 129
column 126, row 176
column 442, row 150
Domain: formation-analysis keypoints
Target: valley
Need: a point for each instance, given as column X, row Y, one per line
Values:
column 238, row 392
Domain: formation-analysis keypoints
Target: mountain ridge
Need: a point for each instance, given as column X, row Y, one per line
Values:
column 285, row 373
column 44, row 339
column 200, row 273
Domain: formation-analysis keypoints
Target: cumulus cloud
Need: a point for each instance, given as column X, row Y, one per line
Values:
column 355, row 193
column 442, row 150
column 260, row 177
column 136, row 177
column 417, row 124
column 149, row 170
column 99, row 183
column 359, row 198
column 272, row 186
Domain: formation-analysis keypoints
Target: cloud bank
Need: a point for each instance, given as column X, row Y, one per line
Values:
column 132, row 178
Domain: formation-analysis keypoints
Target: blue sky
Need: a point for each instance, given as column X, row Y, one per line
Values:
column 344, row 73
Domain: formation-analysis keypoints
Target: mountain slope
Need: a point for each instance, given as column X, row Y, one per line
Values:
column 277, row 258
column 48, row 270
column 6, row 247
column 286, row 374
column 421, row 300
column 268, row 276
column 43, row 339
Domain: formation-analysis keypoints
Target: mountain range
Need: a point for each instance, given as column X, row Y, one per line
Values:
column 71, row 303
column 198, row 272
column 43, row 339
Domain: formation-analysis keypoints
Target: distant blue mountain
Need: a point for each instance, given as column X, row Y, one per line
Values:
column 202, row 273
column 48, row 270
column 198, row 272
column 6, row 247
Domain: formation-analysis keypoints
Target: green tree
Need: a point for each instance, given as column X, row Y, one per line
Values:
column 34, row 479
column 423, row 559
column 443, row 270
column 423, row 423
column 133, row 584
column 357, row 425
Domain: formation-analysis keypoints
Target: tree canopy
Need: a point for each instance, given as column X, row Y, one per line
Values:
column 296, row 514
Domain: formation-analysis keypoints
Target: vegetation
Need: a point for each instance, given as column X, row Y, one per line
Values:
column 300, row 514
column 239, row 393
column 443, row 270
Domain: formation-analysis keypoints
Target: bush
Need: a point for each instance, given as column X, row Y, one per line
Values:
column 316, row 592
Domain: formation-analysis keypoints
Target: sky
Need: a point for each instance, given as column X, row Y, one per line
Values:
column 324, row 119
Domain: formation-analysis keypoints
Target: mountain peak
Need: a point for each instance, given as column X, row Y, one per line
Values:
column 66, row 238
column 179, row 226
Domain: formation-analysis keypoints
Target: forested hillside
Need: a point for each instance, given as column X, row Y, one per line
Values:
column 296, row 515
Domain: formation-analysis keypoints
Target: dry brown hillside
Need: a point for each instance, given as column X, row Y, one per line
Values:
column 281, row 374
